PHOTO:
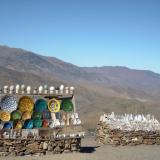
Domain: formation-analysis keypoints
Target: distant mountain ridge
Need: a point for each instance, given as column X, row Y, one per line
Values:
column 95, row 85
column 123, row 80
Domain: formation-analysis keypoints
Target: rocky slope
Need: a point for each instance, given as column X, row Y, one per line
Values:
column 99, row 89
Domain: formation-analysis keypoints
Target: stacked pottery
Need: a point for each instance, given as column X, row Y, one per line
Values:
column 54, row 108
column 26, row 106
column 31, row 113
column 75, row 119
column 39, row 108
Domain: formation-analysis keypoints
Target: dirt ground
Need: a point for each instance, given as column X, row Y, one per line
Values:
column 93, row 151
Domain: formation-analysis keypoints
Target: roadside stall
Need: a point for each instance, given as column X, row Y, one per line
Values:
column 39, row 121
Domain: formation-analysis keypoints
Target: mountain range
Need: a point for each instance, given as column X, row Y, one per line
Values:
column 98, row 89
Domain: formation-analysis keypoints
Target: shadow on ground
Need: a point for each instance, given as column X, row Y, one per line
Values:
column 88, row 149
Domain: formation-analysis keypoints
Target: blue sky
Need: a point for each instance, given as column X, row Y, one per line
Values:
column 85, row 32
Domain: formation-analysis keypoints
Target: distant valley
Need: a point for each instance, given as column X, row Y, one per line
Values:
column 98, row 89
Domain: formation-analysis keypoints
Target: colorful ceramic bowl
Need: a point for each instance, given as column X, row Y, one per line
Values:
column 26, row 115
column 67, row 105
column 37, row 123
column 18, row 124
column 28, row 124
column 40, row 105
column 54, row 105
column 5, row 116
column 8, row 103
column 46, row 114
column 16, row 115
column 7, row 125
column 26, row 104
column 45, row 123
column 37, row 115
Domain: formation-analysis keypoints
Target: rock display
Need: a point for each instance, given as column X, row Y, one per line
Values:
column 122, row 130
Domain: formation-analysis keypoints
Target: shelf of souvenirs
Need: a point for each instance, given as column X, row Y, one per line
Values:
column 58, row 133
column 67, row 127
column 47, row 91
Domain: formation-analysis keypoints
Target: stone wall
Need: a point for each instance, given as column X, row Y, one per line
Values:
column 107, row 135
column 40, row 141
column 10, row 147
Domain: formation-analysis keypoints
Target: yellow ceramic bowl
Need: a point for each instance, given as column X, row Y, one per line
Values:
column 54, row 105
column 26, row 104
column 18, row 125
column 26, row 115
column 5, row 116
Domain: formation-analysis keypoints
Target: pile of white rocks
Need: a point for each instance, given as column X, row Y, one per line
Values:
column 128, row 129
column 130, row 122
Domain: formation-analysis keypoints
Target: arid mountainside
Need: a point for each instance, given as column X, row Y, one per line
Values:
column 98, row 89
